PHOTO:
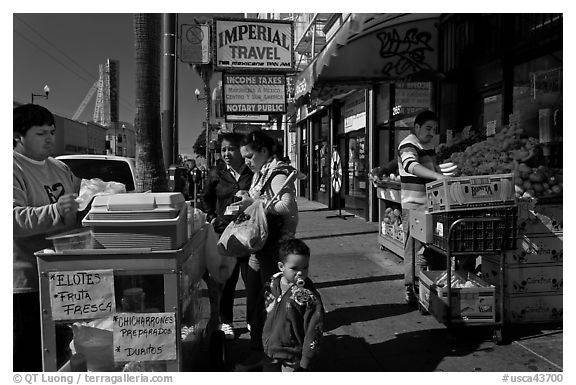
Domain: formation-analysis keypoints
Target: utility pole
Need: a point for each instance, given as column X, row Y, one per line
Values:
column 169, row 144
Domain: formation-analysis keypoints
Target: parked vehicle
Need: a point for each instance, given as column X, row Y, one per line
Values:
column 109, row 168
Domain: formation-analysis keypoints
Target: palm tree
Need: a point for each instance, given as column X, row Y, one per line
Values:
column 205, row 71
column 150, row 171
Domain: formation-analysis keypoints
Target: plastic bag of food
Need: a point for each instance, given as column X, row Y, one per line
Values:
column 94, row 341
column 247, row 233
column 196, row 219
column 89, row 188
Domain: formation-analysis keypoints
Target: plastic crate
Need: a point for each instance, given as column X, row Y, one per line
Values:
column 471, row 192
column 476, row 236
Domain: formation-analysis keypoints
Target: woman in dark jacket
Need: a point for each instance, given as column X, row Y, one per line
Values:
column 223, row 182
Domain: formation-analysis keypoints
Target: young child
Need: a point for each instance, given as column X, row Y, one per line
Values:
column 294, row 312
column 417, row 166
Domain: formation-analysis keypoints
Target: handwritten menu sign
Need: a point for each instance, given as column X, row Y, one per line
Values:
column 81, row 294
column 144, row 336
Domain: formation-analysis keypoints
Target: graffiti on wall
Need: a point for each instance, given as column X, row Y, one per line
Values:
column 407, row 53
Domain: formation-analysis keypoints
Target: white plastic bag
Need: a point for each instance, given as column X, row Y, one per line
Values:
column 219, row 266
column 194, row 266
column 246, row 234
column 205, row 256
column 95, row 186
column 94, row 340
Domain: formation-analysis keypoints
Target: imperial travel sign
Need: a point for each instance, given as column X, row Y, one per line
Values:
column 254, row 94
column 254, row 44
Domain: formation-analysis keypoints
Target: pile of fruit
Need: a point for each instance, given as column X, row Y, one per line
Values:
column 392, row 216
column 537, row 182
column 495, row 155
column 380, row 175
column 509, row 152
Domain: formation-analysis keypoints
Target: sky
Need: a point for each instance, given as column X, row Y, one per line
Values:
column 64, row 50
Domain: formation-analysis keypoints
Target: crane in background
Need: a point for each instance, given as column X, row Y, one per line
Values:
column 87, row 98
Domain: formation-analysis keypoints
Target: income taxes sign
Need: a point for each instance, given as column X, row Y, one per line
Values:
column 254, row 94
column 254, row 44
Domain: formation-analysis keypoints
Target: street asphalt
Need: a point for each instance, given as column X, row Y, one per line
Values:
column 369, row 327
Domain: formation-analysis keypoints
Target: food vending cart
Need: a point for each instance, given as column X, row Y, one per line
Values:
column 108, row 305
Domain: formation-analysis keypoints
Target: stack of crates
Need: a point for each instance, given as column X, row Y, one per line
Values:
column 473, row 197
column 533, row 277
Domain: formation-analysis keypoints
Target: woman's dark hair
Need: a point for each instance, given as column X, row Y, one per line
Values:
column 292, row 246
column 257, row 140
column 425, row 116
column 233, row 137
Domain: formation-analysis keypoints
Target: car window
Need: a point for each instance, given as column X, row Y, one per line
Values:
column 105, row 169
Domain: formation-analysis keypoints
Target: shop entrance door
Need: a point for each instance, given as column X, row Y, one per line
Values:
column 321, row 172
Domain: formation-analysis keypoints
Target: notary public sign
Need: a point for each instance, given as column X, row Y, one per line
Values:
column 81, row 294
column 254, row 94
column 144, row 336
column 254, row 45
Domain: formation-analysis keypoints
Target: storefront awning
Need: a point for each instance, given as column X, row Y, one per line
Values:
column 371, row 48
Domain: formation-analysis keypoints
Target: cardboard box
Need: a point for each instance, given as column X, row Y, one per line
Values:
column 524, row 279
column 533, row 308
column 399, row 234
column 531, row 256
column 468, row 305
column 388, row 194
column 544, row 246
column 421, row 226
column 389, row 230
column 471, row 193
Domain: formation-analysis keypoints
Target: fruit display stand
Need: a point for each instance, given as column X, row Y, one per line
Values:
column 390, row 237
column 137, row 292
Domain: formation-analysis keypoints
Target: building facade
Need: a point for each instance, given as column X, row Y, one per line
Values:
column 360, row 92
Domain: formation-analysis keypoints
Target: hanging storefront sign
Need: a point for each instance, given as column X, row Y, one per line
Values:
column 254, row 44
column 195, row 43
column 254, row 94
column 355, row 113
column 248, row 118
column 411, row 97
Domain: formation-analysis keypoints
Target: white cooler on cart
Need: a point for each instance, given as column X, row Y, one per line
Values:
column 139, row 220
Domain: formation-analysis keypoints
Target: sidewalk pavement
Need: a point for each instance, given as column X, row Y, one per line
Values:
column 368, row 325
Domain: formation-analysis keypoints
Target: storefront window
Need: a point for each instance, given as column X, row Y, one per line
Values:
column 357, row 164
column 537, row 97
column 492, row 114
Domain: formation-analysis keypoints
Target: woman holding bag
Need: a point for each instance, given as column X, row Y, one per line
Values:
column 260, row 153
column 222, row 184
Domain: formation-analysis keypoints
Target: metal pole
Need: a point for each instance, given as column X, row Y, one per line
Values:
column 168, row 59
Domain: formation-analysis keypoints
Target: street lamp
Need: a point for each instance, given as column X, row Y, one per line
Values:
column 197, row 93
column 207, row 98
column 45, row 95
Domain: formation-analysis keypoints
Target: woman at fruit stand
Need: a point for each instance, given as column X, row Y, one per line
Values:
column 43, row 192
column 261, row 154
column 416, row 166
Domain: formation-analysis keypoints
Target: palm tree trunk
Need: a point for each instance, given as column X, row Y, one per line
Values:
column 150, row 171
column 206, row 75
